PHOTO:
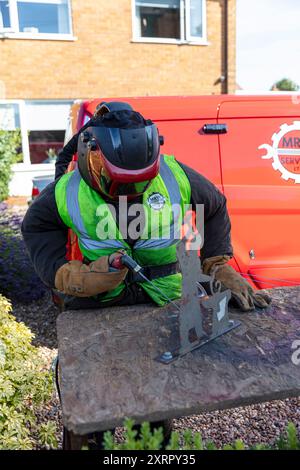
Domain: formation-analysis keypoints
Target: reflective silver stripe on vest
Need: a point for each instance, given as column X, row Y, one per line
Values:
column 75, row 215
column 175, row 199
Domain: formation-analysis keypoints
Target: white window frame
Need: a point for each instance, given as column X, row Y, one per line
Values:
column 185, row 36
column 26, row 165
column 24, row 131
column 14, row 31
column 10, row 28
column 189, row 36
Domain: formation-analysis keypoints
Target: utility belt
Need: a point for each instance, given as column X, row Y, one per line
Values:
column 67, row 302
column 153, row 272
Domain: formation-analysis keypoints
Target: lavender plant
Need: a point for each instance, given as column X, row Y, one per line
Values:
column 18, row 280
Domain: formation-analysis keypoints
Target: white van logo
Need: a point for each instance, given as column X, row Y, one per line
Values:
column 285, row 151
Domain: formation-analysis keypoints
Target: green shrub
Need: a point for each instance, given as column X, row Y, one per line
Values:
column 10, row 143
column 47, row 435
column 23, row 384
column 285, row 84
column 147, row 440
column 290, row 441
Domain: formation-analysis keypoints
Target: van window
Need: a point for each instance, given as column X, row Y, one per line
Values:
column 68, row 133
column 86, row 119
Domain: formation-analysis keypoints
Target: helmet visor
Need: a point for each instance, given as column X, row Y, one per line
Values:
column 114, row 182
column 114, row 188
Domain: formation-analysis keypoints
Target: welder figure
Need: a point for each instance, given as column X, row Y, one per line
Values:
column 119, row 159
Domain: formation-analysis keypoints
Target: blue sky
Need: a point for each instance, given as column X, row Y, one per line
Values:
column 268, row 42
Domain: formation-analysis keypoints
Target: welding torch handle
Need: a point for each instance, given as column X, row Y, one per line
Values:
column 130, row 263
column 121, row 261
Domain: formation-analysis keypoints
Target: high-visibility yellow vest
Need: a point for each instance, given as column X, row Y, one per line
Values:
column 164, row 202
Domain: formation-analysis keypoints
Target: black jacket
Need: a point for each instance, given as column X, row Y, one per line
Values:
column 45, row 234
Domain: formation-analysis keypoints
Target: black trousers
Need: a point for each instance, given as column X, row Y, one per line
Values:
column 133, row 294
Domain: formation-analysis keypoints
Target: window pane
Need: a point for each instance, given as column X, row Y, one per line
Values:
column 46, row 121
column 196, row 18
column 47, row 115
column 4, row 14
column 159, row 18
column 86, row 119
column 45, row 145
column 158, row 3
column 9, row 117
column 10, row 121
column 44, row 17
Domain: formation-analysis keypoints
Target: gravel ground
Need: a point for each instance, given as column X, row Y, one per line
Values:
column 253, row 424
column 261, row 423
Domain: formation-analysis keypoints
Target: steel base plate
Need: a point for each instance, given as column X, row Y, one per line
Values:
column 171, row 356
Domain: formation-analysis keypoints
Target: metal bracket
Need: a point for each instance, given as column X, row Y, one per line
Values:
column 202, row 318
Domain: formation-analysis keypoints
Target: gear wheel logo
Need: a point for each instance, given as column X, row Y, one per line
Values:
column 285, row 151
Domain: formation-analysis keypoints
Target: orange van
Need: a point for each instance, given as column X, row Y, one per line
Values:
column 249, row 147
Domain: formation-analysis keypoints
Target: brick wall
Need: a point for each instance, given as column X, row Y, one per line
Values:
column 231, row 46
column 103, row 60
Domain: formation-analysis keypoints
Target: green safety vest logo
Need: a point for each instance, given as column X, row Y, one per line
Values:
column 156, row 201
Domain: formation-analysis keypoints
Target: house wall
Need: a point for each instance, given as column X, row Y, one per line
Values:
column 102, row 60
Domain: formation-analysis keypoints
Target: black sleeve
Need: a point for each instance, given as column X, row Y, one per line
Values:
column 45, row 235
column 217, row 226
column 65, row 156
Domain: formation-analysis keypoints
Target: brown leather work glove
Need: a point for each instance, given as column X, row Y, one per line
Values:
column 82, row 280
column 241, row 291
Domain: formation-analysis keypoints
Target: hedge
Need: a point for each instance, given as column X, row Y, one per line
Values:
column 24, row 384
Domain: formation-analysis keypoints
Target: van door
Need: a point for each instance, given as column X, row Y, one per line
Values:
column 260, row 158
column 188, row 142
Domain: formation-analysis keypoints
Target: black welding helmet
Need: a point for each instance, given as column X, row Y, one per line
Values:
column 119, row 154
column 109, row 106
